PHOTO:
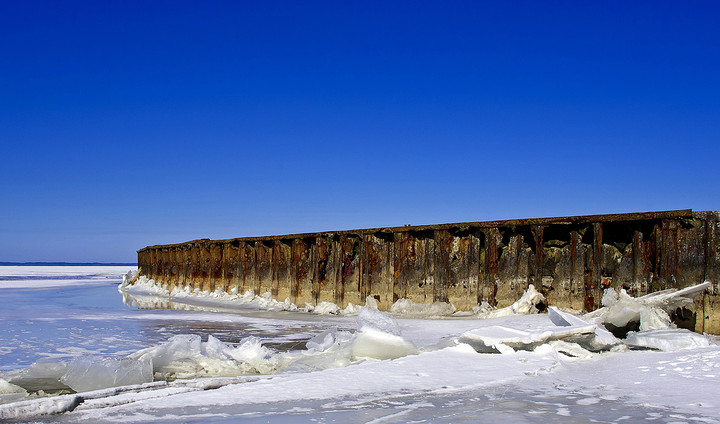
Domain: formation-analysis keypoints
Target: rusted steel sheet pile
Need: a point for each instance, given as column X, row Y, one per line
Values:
column 570, row 260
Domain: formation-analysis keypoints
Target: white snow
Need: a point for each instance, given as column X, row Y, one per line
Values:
column 384, row 367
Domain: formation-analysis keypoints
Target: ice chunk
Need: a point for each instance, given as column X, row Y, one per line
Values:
column 610, row 297
column 527, row 304
column 186, row 356
column 622, row 312
column 669, row 340
column 330, row 349
column 371, row 303
column 435, row 309
column 500, row 339
column 373, row 343
column 44, row 374
column 10, row 392
column 86, row 374
column 351, row 309
column 379, row 337
column 322, row 341
column 30, row 409
column 672, row 298
column 326, row 308
column 373, row 318
column 7, row 388
column 568, row 350
column 128, row 279
column 482, row 309
column 603, row 338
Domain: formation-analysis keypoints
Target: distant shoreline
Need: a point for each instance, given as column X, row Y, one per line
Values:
column 68, row 264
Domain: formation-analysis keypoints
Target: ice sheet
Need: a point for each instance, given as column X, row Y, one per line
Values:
column 371, row 368
column 41, row 277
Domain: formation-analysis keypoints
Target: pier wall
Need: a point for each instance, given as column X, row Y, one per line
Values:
column 569, row 259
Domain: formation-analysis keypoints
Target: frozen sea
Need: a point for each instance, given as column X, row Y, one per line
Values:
column 213, row 361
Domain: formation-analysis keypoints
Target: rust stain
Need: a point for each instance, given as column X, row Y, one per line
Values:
column 652, row 251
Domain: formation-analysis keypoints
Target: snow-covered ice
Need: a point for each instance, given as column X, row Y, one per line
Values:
column 76, row 353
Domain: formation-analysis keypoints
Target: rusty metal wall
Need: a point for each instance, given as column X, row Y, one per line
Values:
column 569, row 259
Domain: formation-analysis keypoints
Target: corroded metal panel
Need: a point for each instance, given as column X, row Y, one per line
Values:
column 416, row 270
column 247, row 267
column 462, row 268
column 263, row 267
column 350, row 269
column 377, row 269
column 441, row 272
column 594, row 276
column 577, row 271
column 230, row 264
column 187, row 266
column 569, row 259
column 196, row 266
column 176, row 267
column 669, row 255
column 204, row 281
column 491, row 277
column 323, row 283
column 302, row 268
column 281, row 269
column 165, row 267
column 516, row 265
column 215, row 267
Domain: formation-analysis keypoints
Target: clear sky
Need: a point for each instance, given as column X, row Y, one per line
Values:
column 131, row 123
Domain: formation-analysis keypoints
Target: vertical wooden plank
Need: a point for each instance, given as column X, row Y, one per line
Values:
column 593, row 293
column 460, row 277
column 216, row 267
column 264, row 266
column 710, row 321
column 315, row 290
column 669, row 257
column 324, row 271
column 440, row 284
column 490, row 267
column 415, row 269
column 638, row 263
column 337, row 266
column 401, row 253
column 205, row 262
column 187, row 267
column 710, row 258
column 196, row 271
column 379, row 269
column 577, row 271
column 247, row 259
column 537, row 231
column 231, row 260
column 351, row 280
column 281, row 270
column 475, row 269
column 302, row 257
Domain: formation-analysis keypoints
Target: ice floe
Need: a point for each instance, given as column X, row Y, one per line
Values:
column 385, row 354
column 622, row 313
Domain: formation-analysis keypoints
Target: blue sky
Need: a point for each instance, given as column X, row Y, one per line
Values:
column 127, row 123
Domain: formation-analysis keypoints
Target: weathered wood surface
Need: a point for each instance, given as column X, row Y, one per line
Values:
column 569, row 259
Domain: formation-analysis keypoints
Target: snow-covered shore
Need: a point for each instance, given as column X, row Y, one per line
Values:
column 369, row 365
